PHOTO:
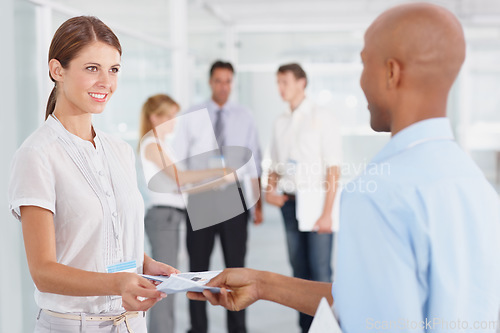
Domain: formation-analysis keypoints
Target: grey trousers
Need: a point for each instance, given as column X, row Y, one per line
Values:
column 48, row 324
column 162, row 227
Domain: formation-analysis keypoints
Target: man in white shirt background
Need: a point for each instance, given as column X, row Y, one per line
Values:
column 305, row 168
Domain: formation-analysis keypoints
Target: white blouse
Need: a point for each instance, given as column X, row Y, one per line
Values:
column 92, row 192
column 169, row 197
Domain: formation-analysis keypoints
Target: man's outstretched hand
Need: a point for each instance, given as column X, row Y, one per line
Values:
column 243, row 284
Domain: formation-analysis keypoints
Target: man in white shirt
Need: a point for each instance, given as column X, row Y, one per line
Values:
column 305, row 154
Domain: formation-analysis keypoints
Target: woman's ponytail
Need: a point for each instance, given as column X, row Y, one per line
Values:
column 51, row 103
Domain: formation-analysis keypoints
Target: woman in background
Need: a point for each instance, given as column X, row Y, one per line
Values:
column 74, row 190
column 165, row 211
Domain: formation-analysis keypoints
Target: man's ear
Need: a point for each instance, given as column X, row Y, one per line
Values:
column 55, row 70
column 303, row 82
column 393, row 73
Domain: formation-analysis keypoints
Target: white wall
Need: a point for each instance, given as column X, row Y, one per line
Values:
column 10, row 236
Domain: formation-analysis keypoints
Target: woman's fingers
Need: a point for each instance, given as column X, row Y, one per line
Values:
column 133, row 304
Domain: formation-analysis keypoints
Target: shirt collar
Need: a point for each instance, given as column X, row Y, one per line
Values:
column 213, row 107
column 53, row 122
column 304, row 106
column 419, row 132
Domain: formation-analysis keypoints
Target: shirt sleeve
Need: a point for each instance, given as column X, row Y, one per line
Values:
column 254, row 146
column 273, row 150
column 331, row 139
column 31, row 182
column 376, row 286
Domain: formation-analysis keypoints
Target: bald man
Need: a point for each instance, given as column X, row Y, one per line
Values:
column 421, row 251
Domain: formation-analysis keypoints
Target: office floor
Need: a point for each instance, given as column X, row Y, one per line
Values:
column 266, row 251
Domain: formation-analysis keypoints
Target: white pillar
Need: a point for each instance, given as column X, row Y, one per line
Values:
column 11, row 319
column 231, row 55
column 44, row 37
column 231, row 44
column 180, row 63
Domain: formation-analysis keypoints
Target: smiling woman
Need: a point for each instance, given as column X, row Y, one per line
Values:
column 73, row 188
column 83, row 32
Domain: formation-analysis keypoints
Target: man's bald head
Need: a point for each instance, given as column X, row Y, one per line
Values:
column 413, row 50
column 428, row 40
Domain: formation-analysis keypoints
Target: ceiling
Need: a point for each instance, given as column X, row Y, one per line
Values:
column 152, row 17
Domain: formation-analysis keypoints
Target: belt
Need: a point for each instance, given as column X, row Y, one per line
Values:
column 182, row 210
column 291, row 196
column 117, row 320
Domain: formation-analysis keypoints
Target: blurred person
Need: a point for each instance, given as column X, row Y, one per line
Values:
column 423, row 247
column 166, row 208
column 233, row 125
column 74, row 190
column 305, row 168
column 166, row 211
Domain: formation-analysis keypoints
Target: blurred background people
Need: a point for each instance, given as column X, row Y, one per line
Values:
column 165, row 211
column 305, row 167
column 233, row 125
column 166, row 205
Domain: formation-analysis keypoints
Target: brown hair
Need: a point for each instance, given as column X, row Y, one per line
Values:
column 295, row 69
column 156, row 104
column 221, row 64
column 70, row 38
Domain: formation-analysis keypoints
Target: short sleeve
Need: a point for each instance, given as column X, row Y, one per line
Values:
column 331, row 139
column 31, row 182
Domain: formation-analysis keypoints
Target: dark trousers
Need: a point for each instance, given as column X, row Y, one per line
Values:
column 309, row 253
column 200, row 243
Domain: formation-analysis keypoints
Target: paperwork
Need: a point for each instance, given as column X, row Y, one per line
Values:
column 183, row 282
column 324, row 321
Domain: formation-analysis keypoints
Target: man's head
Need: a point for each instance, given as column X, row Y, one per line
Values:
column 411, row 57
column 221, row 79
column 292, row 81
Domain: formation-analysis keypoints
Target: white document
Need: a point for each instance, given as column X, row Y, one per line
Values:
column 324, row 321
column 309, row 207
column 183, row 282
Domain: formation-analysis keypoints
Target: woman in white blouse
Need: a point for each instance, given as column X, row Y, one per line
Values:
column 74, row 189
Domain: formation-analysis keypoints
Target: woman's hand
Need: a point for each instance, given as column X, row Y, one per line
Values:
column 153, row 267
column 132, row 287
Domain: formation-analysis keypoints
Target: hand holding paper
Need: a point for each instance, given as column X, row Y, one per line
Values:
column 243, row 285
column 183, row 282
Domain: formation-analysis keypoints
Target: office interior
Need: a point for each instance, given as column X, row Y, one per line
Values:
column 168, row 47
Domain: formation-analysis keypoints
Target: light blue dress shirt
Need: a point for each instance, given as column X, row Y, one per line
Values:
column 419, row 240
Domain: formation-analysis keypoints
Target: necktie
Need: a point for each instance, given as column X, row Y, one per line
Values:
column 219, row 128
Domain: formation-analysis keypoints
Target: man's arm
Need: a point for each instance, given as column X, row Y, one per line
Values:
column 248, row 286
column 258, row 218
column 324, row 223
column 272, row 197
